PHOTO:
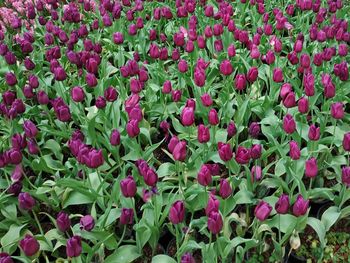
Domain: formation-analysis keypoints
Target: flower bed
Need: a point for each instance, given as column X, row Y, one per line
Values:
column 174, row 131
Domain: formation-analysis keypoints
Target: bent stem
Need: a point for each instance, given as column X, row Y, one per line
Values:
column 122, row 237
column 177, row 233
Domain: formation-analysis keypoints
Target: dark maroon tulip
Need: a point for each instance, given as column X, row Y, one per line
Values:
column 203, row 133
column 282, row 205
column 289, row 124
column 63, row 221
column 42, row 97
column 180, row 151
column 167, row 87
column 177, row 212
column 110, row 94
column 225, row 188
column 303, row 105
column 255, row 151
column 311, row 168
column 345, row 175
column 114, row 139
column 11, row 79
column 314, row 133
column 277, row 75
column 128, row 186
column 252, row 74
column 309, row 84
column 215, row 222
column 182, row 66
column 337, row 110
column 33, row 147
column 94, row 158
column 26, row 201
column 186, row 258
column 256, row 173
column 60, row 73
column 254, row 129
column 294, row 151
column 225, row 151
column 341, row 70
column 231, row 130
column 305, row 60
column 73, row 247
column 212, row 205
column 15, row 188
column 87, row 223
column 204, row 176
column 30, row 129
column 300, row 206
column 33, row 81
column 226, row 67
column 240, row 82
column 150, row 177
column 242, row 155
column 206, row 100
column 100, row 102
column 346, row 142
column 127, row 216
column 6, row 258
column 29, row 245
column 262, row 211
column 187, row 116
column 132, row 128
column 18, row 141
column 328, row 86
column 213, row 117
column 77, row 94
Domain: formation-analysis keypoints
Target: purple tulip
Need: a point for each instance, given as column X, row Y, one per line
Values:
column 303, row 105
column 256, row 173
column 231, row 130
column 294, row 151
column 212, row 205
column 77, row 94
column 177, row 212
column 128, row 186
column 186, row 258
column 215, row 222
column 345, row 175
column 114, row 139
column 300, row 206
column 311, row 168
column 110, row 94
column 132, row 128
column 73, row 247
column 346, row 142
column 63, row 221
column 127, row 216
column 87, row 223
column 179, row 152
column 225, row 188
column 282, row 205
column 187, row 116
column 204, row 176
column 26, row 201
column 277, row 75
column 29, row 245
column 240, row 82
column 225, row 151
column 337, row 110
column 226, row 68
column 289, row 124
column 203, row 133
column 262, row 211
column 314, row 133
column 254, row 129
column 242, row 155
column 6, row 258
column 30, row 129
column 206, row 100
column 150, row 177
column 255, row 151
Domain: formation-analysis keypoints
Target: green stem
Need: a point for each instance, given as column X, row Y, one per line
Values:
column 122, row 237
column 135, row 213
column 177, row 233
column 38, row 223
column 280, row 236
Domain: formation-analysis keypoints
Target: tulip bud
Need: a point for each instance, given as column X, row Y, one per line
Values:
column 26, row 201
column 309, row 84
column 204, row 176
column 179, row 152
column 231, row 130
column 225, row 151
column 30, row 129
column 114, row 139
column 226, row 68
column 345, row 175
column 110, row 94
column 73, row 247
column 252, row 74
column 5, row 258
column 242, row 155
column 186, row 258
column 262, row 211
column 300, row 206
column 337, row 110
column 254, row 129
column 150, row 177
column 11, row 79
column 167, row 87
column 311, row 169
column 213, row 117
column 187, row 116
column 182, row 66
column 63, row 221
column 314, row 133
column 255, row 151
column 277, row 75
column 118, row 38
column 42, row 97
column 203, row 133
column 256, row 173
column 127, row 216
column 212, row 205
column 289, row 124
column 294, row 151
column 215, row 222
column 177, row 212
column 282, row 205
column 128, row 186
column 303, row 105
column 87, row 223
column 176, row 95
column 206, row 100
column 132, row 128
column 225, row 188
column 29, row 245
column 346, row 142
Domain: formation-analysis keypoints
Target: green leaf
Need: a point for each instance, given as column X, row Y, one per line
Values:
column 11, row 236
column 319, row 227
column 330, row 216
column 125, row 254
column 163, row 259
column 76, row 198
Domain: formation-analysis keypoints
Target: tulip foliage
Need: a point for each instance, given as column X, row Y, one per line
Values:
column 171, row 131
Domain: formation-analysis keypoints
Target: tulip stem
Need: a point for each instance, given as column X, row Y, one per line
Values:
column 177, row 243
column 38, row 223
column 134, row 207
column 333, row 134
column 122, row 237
column 310, row 184
column 280, row 236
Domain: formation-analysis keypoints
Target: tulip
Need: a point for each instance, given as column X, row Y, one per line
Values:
column 167, row 87
column 346, row 142
column 186, row 258
column 329, row 87
column 337, row 110
column 215, row 222
column 110, row 94
column 15, row 189
column 172, row 143
column 212, row 205
column 240, row 82
column 213, row 117
column 303, row 105
column 199, row 77
column 342, row 50
column 277, row 75
column 256, row 173
column 345, row 175
column 73, row 247
column 314, row 133
column 187, row 116
column 242, row 155
column 305, row 60
column 179, row 152
column 127, row 216
column 77, row 94
column 18, row 141
column 42, row 97
column 341, row 70
column 5, row 258
column 26, row 201
column 231, row 130
column 282, row 205
column 29, row 245
column 309, row 84
column 289, row 124
column 311, row 169
column 118, row 38
column 225, row 188
column 191, row 103
column 204, row 176
column 10, row 79
column 255, row 151
column 87, row 223
column 294, row 151
column 225, row 151
column 132, row 128
column 128, row 186
column 100, row 102
column 206, row 100
column 286, row 88
column 94, row 158
column 114, row 139
column 63, row 221
column 30, row 129
column 254, row 129
column 177, row 212
column 300, row 206
column 182, row 66
column 262, row 211
column 60, row 73
column 226, row 67
column 150, row 177
column 252, row 74
column 203, row 133
column 176, row 95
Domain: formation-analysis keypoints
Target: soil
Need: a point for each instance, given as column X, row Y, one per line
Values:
column 147, row 254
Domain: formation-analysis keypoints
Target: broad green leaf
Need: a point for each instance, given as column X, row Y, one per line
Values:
column 125, row 254
column 163, row 259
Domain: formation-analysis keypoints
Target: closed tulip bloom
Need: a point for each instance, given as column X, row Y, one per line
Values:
column 303, row 105
column 204, row 176
column 225, row 151
column 176, row 95
column 10, row 79
column 179, row 152
column 256, row 173
column 215, row 222
column 346, row 142
column 337, row 110
column 199, row 77
column 182, row 66
column 118, row 38
column 206, row 100
column 87, row 223
column 289, row 100
column 311, row 168
column 114, row 139
column 127, row 216
column 132, row 128
column 314, row 133
column 172, row 143
column 294, row 151
column 328, row 86
column 73, row 247
column 77, row 94
column 262, row 211
column 42, row 97
column 29, row 245
column 305, row 60
column 309, row 84
column 30, row 129
column 226, row 67
column 231, row 130
column 255, row 151
column 100, row 102
column 231, row 51
column 128, row 186
column 33, row 147
column 91, row 80
column 252, row 74
column 289, row 124
column 345, row 175
column 213, row 117
column 212, row 205
column 6, row 258
column 342, row 50
column 150, row 177
column 242, row 155
column 225, row 188
column 277, row 75
column 282, row 205
column 240, row 82
column 186, row 258
column 286, row 88
column 63, row 221
column 203, row 133
column 187, row 116
column 110, row 94
column 300, row 206
column 191, row 103
column 254, row 129
column 177, row 212
column 94, row 158
column 167, row 87
column 26, row 201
